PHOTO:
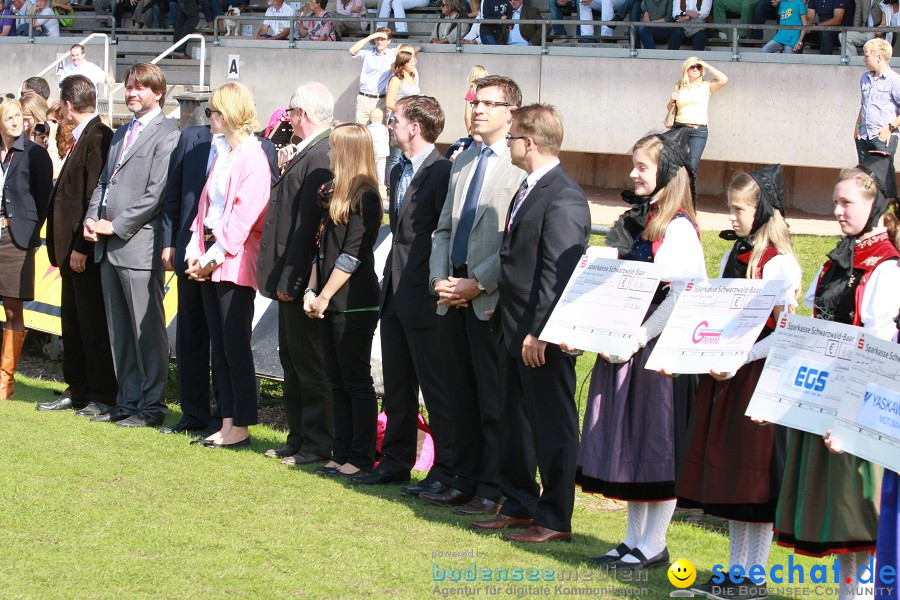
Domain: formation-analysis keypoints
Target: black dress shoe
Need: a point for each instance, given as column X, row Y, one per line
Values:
column 135, row 421
column 244, row 443
column 430, row 487
column 645, row 563
column 179, row 428
column 94, row 409
column 61, row 403
column 606, row 559
column 326, row 471
column 449, row 498
column 379, row 477
column 478, row 506
column 112, row 416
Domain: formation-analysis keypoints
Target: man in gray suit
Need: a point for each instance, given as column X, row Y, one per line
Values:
column 125, row 221
column 465, row 267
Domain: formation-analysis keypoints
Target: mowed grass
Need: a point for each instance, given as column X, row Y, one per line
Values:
column 90, row 510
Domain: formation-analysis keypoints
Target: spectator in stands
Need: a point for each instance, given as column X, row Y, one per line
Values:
column 7, row 20
column 47, row 26
column 742, row 8
column 22, row 8
column 491, row 34
column 38, row 85
column 186, row 18
column 762, row 11
column 890, row 17
column 827, row 12
column 866, row 13
column 398, row 8
column 610, row 10
column 116, row 8
column 691, row 98
column 81, row 66
column 879, row 111
column 788, row 41
column 690, row 12
column 376, row 71
column 656, row 11
column 213, row 9
column 34, row 117
column 343, row 292
column 142, row 17
column 558, row 11
column 352, row 11
column 404, row 82
column 63, row 8
column 523, row 35
column 448, row 28
column 275, row 28
column 317, row 31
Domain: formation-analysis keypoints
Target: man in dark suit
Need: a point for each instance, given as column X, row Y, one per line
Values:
column 523, row 35
column 188, row 170
column 547, row 230
column 87, row 363
column 410, row 338
column 285, row 259
column 125, row 218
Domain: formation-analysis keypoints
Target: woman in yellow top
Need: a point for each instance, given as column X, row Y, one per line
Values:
column 691, row 99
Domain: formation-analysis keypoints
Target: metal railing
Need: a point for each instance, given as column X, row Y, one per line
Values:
column 31, row 18
column 546, row 26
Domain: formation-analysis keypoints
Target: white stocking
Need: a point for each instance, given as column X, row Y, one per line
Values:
column 737, row 543
column 659, row 514
column 759, row 542
column 637, row 520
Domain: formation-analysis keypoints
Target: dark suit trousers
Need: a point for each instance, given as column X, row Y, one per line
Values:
column 192, row 356
column 186, row 19
column 229, row 317
column 410, row 359
column 347, row 345
column 137, row 335
column 307, row 392
column 470, row 370
column 545, row 398
column 87, row 361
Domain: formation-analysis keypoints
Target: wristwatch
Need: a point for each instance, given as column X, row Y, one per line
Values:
column 213, row 263
column 479, row 286
column 682, row 14
column 893, row 127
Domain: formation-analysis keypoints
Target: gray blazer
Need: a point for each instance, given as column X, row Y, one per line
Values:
column 135, row 197
column 483, row 257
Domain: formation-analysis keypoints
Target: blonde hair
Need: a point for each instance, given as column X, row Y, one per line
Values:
column 476, row 72
column 879, row 46
column 236, row 104
column 684, row 81
column 34, row 106
column 353, row 165
column 674, row 198
column 376, row 116
column 542, row 123
column 743, row 190
column 406, row 48
column 8, row 107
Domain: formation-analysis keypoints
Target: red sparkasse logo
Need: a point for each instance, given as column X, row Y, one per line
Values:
column 862, row 342
column 704, row 334
column 783, row 322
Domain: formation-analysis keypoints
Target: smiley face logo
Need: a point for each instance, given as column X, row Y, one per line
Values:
column 682, row 573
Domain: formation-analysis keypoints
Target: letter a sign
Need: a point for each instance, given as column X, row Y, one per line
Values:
column 234, row 66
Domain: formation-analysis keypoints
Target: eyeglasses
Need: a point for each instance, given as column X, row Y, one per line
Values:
column 509, row 138
column 210, row 111
column 488, row 104
column 698, row 67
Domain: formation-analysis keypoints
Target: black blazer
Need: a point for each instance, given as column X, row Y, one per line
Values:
column 26, row 193
column 406, row 271
column 72, row 194
column 356, row 238
column 292, row 220
column 538, row 255
column 187, row 176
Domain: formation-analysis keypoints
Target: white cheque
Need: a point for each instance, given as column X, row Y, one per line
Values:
column 714, row 324
column 868, row 423
column 603, row 305
column 806, row 373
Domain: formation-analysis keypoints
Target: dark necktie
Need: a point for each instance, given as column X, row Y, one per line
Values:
column 467, row 215
column 516, row 203
column 403, row 184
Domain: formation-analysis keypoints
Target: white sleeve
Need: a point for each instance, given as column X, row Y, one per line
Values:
column 723, row 262
column 809, row 298
column 681, row 254
column 785, row 269
column 881, row 302
column 705, row 8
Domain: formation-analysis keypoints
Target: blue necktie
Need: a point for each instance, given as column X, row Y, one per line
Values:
column 467, row 215
column 405, row 179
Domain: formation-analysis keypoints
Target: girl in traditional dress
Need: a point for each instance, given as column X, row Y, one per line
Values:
column 732, row 467
column 628, row 445
column 828, row 502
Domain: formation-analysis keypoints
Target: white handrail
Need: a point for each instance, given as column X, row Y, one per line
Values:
column 163, row 54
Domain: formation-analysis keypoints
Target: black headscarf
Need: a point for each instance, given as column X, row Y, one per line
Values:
column 840, row 274
column 770, row 180
column 675, row 154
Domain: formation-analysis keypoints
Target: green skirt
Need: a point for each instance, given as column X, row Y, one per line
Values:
column 828, row 502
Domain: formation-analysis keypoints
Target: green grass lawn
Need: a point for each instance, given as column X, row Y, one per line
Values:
column 90, row 510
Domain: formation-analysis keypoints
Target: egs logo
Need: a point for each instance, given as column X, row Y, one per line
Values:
column 812, row 379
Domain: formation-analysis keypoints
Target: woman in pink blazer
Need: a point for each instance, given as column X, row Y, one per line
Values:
column 222, row 252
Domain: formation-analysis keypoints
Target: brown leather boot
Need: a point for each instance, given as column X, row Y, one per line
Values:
column 12, row 348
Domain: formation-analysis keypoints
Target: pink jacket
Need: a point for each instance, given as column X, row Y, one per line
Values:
column 239, row 230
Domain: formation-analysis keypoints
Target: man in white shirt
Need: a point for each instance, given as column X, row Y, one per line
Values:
column 376, row 72
column 44, row 27
column 21, row 8
column 81, row 66
column 275, row 28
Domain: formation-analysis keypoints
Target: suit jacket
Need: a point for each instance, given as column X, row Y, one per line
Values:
column 72, row 194
column 483, row 258
column 531, row 33
column 134, row 196
column 187, row 177
column 538, row 255
column 239, row 230
column 406, row 271
column 289, row 236
column 26, row 191
column 861, row 13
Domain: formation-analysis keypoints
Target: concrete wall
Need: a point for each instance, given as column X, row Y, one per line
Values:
column 23, row 60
